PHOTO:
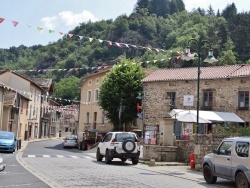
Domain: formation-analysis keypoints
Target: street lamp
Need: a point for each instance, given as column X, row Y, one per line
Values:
column 210, row 59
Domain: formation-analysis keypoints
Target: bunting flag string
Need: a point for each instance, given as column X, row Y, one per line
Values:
column 22, row 92
column 93, row 68
column 90, row 39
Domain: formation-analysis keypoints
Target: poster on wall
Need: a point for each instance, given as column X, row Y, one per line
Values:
column 188, row 100
column 150, row 134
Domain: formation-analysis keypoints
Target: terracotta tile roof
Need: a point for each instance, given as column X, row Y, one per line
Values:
column 215, row 72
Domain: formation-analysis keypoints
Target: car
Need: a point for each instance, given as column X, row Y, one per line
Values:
column 70, row 141
column 122, row 145
column 2, row 166
column 7, row 141
column 230, row 161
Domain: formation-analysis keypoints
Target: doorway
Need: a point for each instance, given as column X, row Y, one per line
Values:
column 95, row 117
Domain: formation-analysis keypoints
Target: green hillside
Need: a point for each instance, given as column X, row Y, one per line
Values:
column 155, row 33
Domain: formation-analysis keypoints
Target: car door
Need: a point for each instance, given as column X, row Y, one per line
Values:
column 105, row 143
column 223, row 159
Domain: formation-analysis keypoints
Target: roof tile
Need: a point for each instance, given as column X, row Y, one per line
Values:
column 214, row 72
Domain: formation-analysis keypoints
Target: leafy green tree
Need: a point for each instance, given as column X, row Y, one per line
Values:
column 119, row 90
column 67, row 88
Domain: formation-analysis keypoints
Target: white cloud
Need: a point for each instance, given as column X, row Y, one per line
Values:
column 68, row 19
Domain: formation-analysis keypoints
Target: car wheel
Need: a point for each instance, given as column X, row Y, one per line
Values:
column 128, row 146
column 208, row 176
column 107, row 158
column 98, row 155
column 135, row 161
column 241, row 180
column 123, row 159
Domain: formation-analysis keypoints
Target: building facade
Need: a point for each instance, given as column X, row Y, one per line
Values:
column 91, row 116
column 21, row 105
column 222, row 88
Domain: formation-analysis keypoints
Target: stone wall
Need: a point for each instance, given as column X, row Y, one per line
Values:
column 199, row 144
column 225, row 96
column 159, row 153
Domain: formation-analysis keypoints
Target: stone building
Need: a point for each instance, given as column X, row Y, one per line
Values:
column 222, row 88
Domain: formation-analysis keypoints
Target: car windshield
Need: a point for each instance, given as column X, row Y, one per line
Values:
column 7, row 136
column 120, row 137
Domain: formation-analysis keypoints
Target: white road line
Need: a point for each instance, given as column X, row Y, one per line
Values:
column 74, row 157
column 46, row 156
column 18, row 185
column 31, row 156
column 88, row 157
column 60, row 156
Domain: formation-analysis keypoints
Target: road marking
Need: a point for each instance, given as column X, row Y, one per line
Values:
column 18, row 185
column 88, row 157
column 60, row 156
column 46, row 156
column 31, row 156
column 74, row 157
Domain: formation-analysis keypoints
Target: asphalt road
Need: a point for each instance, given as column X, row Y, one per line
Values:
column 15, row 175
column 59, row 167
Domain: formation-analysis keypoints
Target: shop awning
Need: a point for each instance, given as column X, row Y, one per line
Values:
column 212, row 116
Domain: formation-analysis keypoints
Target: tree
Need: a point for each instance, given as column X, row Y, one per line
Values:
column 118, row 92
column 66, row 88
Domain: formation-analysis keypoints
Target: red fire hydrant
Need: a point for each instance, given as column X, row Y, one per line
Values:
column 192, row 165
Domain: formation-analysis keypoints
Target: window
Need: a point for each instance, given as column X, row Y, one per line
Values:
column 207, row 98
column 243, row 99
column 27, row 108
column 171, row 96
column 103, row 117
column 30, row 111
column 53, row 130
column 89, row 96
column 97, row 81
column 90, row 82
column 21, row 107
column 96, row 95
column 225, row 148
column 107, row 138
column 242, row 149
column 87, row 118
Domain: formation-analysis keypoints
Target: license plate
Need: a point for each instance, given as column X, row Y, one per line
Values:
column 1, row 146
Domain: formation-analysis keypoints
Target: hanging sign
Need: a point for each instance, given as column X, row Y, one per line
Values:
column 9, row 98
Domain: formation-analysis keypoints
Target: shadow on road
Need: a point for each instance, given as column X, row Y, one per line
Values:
column 61, row 148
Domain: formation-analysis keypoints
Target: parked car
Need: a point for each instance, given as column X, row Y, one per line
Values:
column 2, row 166
column 229, row 161
column 70, row 141
column 7, row 141
column 123, row 145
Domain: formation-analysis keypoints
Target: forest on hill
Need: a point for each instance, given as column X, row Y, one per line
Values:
column 155, row 35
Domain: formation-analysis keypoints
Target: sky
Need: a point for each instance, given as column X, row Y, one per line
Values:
column 22, row 18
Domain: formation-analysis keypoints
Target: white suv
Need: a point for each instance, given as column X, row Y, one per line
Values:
column 121, row 145
column 231, row 160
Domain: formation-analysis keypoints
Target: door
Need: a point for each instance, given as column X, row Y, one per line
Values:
column 223, row 159
column 95, row 117
column 105, row 143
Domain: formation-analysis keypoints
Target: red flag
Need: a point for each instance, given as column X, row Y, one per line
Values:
column 1, row 20
column 61, row 33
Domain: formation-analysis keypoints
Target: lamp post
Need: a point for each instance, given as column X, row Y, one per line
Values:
column 210, row 59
